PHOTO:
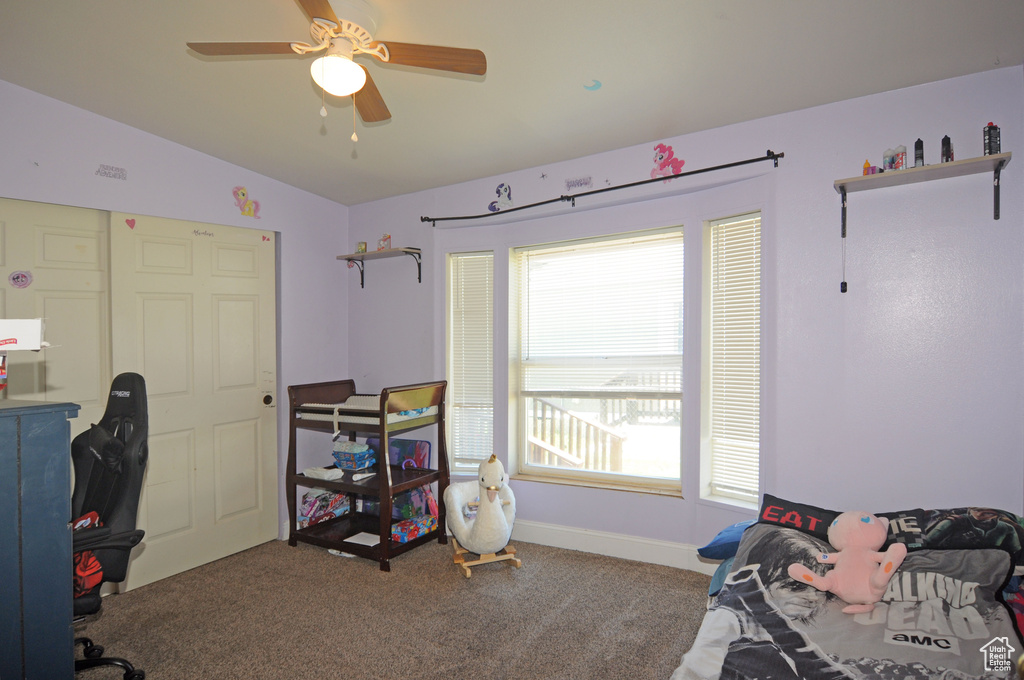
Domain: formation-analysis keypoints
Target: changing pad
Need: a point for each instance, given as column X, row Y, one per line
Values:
column 358, row 402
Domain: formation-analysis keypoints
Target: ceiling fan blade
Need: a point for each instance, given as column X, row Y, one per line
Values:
column 369, row 103
column 223, row 49
column 319, row 9
column 457, row 59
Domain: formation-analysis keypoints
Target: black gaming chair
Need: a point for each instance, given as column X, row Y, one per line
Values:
column 109, row 461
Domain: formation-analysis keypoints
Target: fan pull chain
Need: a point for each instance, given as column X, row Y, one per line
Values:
column 323, row 94
column 355, row 138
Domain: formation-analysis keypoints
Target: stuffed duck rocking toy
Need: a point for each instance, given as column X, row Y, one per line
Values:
column 488, row 533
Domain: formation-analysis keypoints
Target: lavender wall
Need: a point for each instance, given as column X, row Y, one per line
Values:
column 904, row 392
column 51, row 152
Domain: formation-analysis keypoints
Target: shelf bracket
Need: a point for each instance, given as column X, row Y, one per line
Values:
column 995, row 189
column 419, row 265
column 360, row 264
column 842, row 195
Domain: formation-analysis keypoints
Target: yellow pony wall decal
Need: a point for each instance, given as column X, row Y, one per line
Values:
column 249, row 207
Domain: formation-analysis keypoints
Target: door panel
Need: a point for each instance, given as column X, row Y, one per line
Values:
column 165, row 348
column 194, row 308
column 62, row 254
column 170, row 484
column 73, row 372
column 236, row 324
column 235, row 448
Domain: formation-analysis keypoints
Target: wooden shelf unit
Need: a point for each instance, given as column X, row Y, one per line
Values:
column 389, row 480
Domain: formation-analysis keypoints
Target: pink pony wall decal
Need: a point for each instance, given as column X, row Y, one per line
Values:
column 665, row 162
column 249, row 207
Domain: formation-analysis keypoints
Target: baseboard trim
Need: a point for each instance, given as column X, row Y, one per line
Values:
column 650, row 550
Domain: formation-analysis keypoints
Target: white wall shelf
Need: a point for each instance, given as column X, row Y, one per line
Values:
column 970, row 166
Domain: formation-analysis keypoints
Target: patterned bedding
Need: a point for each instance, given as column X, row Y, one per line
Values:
column 942, row 617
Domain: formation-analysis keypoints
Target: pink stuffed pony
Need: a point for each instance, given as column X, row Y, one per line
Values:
column 860, row 573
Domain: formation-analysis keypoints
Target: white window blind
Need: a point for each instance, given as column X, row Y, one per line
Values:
column 735, row 354
column 603, row 315
column 470, row 359
column 600, row 355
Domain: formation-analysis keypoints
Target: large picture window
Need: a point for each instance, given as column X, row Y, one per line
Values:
column 598, row 346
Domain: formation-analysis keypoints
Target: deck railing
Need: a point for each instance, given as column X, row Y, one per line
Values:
column 592, row 437
column 558, row 437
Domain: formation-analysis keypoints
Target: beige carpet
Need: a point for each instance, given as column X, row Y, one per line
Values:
column 279, row 613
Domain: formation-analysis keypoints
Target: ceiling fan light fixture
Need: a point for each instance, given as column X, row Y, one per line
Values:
column 337, row 74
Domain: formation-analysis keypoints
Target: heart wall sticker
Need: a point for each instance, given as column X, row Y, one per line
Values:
column 130, row 222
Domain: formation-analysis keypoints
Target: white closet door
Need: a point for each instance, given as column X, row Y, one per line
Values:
column 193, row 311
column 53, row 264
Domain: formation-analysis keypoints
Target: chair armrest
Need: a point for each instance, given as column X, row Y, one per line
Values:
column 82, row 539
column 101, row 538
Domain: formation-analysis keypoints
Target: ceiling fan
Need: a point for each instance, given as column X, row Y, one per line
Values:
column 342, row 38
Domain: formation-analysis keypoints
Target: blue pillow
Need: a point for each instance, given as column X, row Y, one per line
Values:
column 725, row 543
column 718, row 580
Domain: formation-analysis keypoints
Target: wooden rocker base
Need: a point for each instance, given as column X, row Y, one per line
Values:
column 506, row 553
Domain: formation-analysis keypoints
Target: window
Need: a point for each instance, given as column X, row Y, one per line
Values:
column 599, row 350
column 732, row 358
column 470, row 359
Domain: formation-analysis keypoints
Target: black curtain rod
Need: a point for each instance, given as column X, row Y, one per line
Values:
column 771, row 155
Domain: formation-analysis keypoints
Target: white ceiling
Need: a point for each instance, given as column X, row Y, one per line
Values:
column 666, row 67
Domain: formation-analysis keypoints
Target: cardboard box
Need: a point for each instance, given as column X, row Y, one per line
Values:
column 21, row 334
column 408, row 529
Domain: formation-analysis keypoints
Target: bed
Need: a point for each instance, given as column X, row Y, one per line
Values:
column 950, row 612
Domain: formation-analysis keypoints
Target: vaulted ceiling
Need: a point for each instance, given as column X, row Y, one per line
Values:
column 565, row 78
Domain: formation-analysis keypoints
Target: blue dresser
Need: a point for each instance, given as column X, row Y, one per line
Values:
column 35, row 540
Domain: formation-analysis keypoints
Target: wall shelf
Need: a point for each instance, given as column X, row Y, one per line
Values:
column 359, row 260
column 970, row 166
column 925, row 173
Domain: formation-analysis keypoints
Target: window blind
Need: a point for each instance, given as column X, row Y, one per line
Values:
column 603, row 315
column 735, row 299
column 470, row 359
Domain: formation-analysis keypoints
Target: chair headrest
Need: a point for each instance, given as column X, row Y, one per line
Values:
column 127, row 399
